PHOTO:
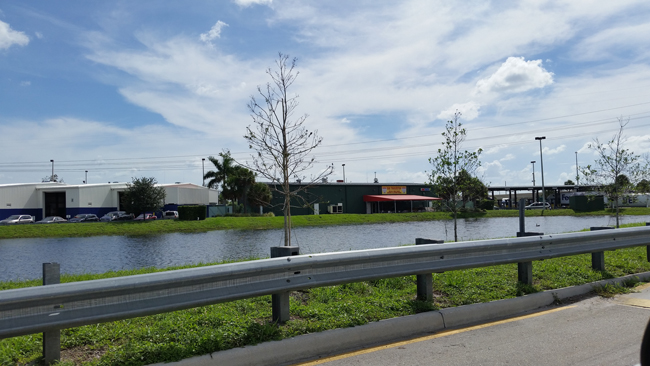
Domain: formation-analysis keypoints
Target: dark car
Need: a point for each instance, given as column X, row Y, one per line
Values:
column 113, row 215
column 84, row 218
column 52, row 220
column 124, row 217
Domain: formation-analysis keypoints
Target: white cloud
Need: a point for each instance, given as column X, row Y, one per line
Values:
column 10, row 37
column 214, row 32
column 246, row 3
column 469, row 111
column 39, row 35
column 617, row 42
column 25, row 83
column 516, row 75
column 557, row 150
column 507, row 157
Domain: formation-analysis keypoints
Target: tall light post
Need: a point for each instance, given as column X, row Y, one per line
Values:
column 533, row 162
column 52, row 176
column 541, row 163
column 534, row 199
column 577, row 175
column 203, row 176
column 343, row 173
column 86, row 181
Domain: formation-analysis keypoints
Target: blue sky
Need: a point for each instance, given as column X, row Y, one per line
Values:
column 127, row 89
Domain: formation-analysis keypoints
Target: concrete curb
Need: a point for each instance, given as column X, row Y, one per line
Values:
column 337, row 341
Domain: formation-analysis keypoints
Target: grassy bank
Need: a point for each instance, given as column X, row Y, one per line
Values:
column 260, row 223
column 182, row 334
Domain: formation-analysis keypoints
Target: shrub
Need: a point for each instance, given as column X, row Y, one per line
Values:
column 191, row 212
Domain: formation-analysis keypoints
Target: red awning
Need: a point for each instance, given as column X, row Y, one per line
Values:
column 397, row 197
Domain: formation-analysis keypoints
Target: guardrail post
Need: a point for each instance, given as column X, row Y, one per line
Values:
column 525, row 272
column 425, row 281
column 647, row 248
column 280, row 301
column 598, row 258
column 51, row 338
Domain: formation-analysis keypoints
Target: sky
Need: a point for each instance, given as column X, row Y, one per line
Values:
column 123, row 89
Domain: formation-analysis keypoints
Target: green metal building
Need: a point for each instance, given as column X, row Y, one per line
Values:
column 358, row 198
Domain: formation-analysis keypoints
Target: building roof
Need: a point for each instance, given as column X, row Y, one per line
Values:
column 397, row 197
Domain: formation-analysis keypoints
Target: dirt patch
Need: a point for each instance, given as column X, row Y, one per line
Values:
column 81, row 354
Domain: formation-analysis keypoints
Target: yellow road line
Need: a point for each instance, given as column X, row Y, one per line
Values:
column 443, row 333
column 643, row 303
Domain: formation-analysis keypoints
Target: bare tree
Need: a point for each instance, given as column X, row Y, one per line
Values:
column 615, row 167
column 451, row 166
column 282, row 144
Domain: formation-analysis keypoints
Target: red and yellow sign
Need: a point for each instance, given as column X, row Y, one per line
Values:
column 393, row 189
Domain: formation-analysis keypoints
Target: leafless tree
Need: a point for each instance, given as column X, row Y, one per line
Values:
column 615, row 166
column 281, row 142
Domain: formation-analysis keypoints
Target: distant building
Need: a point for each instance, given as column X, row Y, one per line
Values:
column 67, row 200
column 358, row 198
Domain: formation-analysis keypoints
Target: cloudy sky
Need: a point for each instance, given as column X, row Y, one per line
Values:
column 126, row 89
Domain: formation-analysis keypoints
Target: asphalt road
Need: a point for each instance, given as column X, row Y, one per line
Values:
column 594, row 331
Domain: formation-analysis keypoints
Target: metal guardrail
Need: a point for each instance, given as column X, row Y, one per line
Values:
column 45, row 308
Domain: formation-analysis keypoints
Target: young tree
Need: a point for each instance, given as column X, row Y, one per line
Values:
column 142, row 196
column 614, row 166
column 281, row 143
column 259, row 195
column 447, row 167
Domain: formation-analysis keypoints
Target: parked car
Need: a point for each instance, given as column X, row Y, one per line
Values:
column 538, row 206
column 52, row 220
column 18, row 219
column 170, row 215
column 110, row 216
column 124, row 217
column 84, row 218
column 143, row 217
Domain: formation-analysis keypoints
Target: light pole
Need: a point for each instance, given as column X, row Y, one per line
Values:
column 534, row 200
column 203, row 176
column 577, row 175
column 52, row 176
column 343, row 173
column 541, row 163
column 86, row 181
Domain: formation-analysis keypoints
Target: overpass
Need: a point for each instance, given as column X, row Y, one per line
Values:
column 534, row 192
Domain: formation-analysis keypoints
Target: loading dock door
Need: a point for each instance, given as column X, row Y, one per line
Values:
column 55, row 204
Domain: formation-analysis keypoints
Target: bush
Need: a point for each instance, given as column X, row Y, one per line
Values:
column 191, row 212
column 486, row 204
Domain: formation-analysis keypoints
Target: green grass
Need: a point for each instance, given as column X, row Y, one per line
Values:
column 260, row 223
column 182, row 334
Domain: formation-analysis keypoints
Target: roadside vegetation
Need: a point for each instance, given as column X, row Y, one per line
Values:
column 265, row 222
column 182, row 334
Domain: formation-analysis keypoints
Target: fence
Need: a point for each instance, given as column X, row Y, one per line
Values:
column 53, row 307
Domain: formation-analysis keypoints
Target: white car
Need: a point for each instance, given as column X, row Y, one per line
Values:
column 538, row 206
column 170, row 215
column 18, row 219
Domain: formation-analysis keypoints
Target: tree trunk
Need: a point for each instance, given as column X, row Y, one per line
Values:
column 287, row 220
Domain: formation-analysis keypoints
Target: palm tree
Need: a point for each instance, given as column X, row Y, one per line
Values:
column 224, row 168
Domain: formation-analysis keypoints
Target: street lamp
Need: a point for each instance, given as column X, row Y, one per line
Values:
column 533, row 162
column 52, row 176
column 203, row 176
column 86, row 181
column 541, row 163
column 534, row 199
column 577, row 175
column 343, row 173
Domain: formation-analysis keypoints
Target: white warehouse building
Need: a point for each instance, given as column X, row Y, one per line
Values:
column 67, row 200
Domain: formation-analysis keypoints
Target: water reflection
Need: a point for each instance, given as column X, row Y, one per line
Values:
column 22, row 258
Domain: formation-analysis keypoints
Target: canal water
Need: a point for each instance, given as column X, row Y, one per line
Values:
column 23, row 258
